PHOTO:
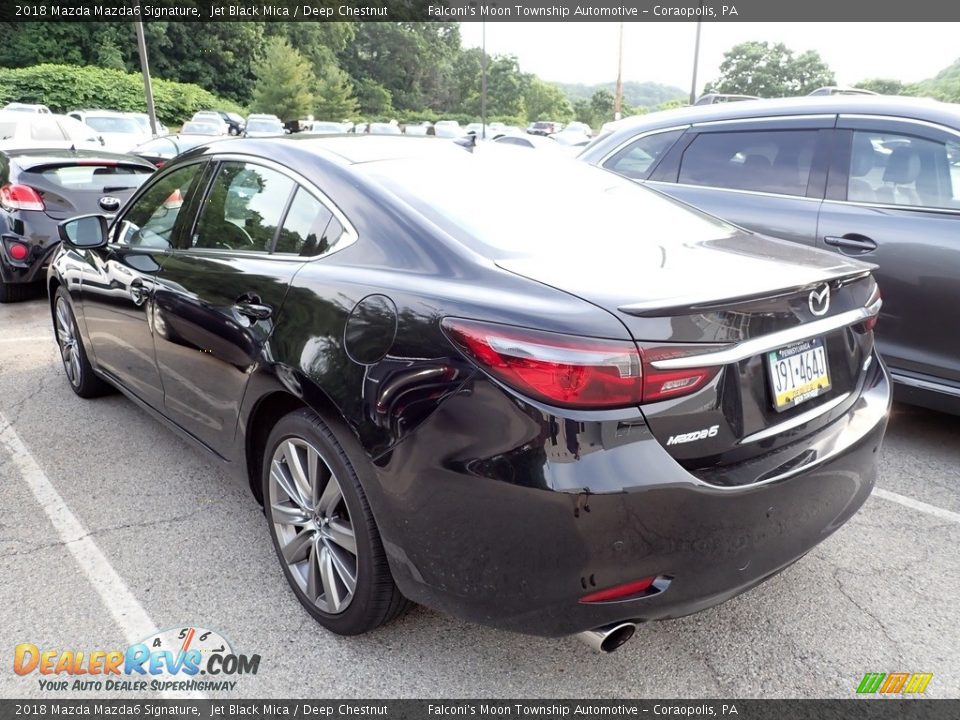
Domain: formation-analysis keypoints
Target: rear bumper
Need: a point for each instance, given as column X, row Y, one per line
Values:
column 496, row 527
column 34, row 268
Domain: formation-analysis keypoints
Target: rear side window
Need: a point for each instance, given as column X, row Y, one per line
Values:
column 893, row 169
column 639, row 158
column 304, row 230
column 100, row 178
column 774, row 161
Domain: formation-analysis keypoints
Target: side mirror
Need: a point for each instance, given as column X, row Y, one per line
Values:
column 84, row 233
column 102, row 141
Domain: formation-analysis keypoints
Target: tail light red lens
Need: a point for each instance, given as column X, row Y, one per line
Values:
column 667, row 384
column 572, row 371
column 562, row 370
column 619, row 592
column 18, row 251
column 20, row 197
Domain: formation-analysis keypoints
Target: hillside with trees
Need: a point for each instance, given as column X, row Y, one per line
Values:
column 332, row 70
column 646, row 95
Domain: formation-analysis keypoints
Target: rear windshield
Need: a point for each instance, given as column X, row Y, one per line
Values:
column 101, row 178
column 106, row 124
column 506, row 204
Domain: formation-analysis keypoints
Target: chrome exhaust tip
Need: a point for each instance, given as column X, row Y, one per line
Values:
column 608, row 638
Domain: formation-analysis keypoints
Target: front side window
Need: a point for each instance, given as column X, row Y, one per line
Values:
column 638, row 159
column 773, row 161
column 151, row 219
column 243, row 208
column 895, row 169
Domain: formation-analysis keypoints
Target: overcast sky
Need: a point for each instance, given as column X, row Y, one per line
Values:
column 663, row 51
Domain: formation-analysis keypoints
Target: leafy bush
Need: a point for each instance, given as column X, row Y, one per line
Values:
column 70, row 87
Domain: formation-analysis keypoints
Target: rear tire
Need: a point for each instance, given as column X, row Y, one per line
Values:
column 83, row 381
column 322, row 529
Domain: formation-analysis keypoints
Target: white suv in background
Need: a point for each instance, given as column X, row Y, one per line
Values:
column 119, row 132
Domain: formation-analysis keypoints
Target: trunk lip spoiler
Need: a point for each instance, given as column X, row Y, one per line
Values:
column 766, row 343
column 683, row 306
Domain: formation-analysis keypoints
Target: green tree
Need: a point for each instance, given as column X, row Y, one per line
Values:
column 544, row 100
column 373, row 98
column 601, row 105
column 109, row 55
column 765, row 70
column 505, row 88
column 945, row 85
column 285, row 82
column 412, row 61
column 334, row 98
column 883, row 86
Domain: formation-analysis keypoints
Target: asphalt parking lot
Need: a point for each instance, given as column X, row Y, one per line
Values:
column 159, row 536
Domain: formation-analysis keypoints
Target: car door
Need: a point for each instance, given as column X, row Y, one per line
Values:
column 764, row 174
column 221, row 289
column 116, row 283
column 893, row 198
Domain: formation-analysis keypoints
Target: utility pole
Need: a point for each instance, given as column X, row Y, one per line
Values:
column 145, row 71
column 696, row 61
column 483, row 80
column 618, row 95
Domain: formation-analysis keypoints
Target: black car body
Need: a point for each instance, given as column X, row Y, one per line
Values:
column 874, row 178
column 38, row 189
column 560, row 418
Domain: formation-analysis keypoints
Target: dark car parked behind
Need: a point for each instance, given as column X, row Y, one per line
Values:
column 38, row 189
column 534, row 395
column 874, row 178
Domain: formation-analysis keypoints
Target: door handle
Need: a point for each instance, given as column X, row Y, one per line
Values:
column 250, row 306
column 139, row 292
column 852, row 241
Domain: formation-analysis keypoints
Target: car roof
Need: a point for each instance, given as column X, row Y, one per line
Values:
column 898, row 106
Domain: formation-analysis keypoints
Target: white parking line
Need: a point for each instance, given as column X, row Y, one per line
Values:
column 917, row 505
column 123, row 606
column 126, row 610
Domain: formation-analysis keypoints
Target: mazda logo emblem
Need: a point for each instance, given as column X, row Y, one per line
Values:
column 819, row 300
column 110, row 203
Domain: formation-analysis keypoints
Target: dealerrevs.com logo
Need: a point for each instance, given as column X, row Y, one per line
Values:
column 183, row 659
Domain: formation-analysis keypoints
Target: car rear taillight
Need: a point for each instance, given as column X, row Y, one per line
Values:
column 573, row 371
column 667, row 384
column 18, row 251
column 562, row 370
column 20, row 197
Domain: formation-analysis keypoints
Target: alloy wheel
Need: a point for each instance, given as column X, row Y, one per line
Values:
column 312, row 525
column 67, row 339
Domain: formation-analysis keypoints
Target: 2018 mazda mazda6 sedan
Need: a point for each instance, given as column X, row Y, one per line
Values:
column 571, row 410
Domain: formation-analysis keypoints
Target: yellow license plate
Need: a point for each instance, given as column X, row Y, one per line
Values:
column 798, row 373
